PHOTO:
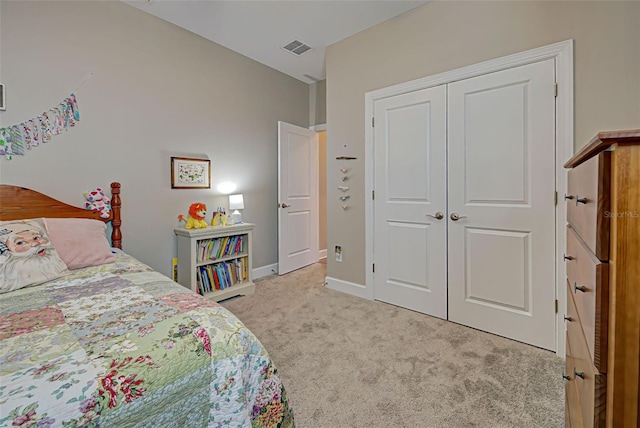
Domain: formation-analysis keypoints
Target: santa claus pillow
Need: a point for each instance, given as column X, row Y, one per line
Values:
column 27, row 256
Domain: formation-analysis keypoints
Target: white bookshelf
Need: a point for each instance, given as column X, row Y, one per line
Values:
column 196, row 256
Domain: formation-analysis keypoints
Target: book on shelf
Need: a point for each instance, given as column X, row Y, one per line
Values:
column 232, row 271
column 224, row 246
column 227, row 274
column 217, row 248
column 205, row 280
column 221, row 277
column 215, row 278
column 199, row 285
column 207, row 272
column 223, row 274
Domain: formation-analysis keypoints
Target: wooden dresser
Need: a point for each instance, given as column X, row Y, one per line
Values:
column 603, row 283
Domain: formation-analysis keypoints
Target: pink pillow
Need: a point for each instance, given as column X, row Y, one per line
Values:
column 80, row 242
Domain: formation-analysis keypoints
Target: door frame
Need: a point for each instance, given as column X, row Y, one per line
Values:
column 322, row 127
column 562, row 53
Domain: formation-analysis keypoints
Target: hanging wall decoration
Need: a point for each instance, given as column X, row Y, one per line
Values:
column 14, row 139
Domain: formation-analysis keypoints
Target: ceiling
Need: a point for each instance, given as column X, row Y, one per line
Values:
column 259, row 29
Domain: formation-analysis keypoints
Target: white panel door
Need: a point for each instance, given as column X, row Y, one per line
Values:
column 410, row 191
column 297, row 197
column 501, row 136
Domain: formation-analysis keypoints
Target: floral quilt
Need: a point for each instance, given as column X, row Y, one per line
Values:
column 121, row 345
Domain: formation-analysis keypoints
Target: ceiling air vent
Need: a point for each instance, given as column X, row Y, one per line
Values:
column 296, row 47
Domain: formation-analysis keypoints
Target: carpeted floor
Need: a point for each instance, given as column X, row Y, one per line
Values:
column 350, row 362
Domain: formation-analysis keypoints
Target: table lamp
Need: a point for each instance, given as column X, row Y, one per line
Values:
column 236, row 202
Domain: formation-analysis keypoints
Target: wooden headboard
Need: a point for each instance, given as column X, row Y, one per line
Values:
column 18, row 203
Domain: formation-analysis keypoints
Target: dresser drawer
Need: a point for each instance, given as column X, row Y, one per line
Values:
column 588, row 204
column 588, row 280
column 590, row 385
column 572, row 412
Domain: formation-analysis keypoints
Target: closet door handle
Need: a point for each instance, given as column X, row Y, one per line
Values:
column 566, row 318
column 438, row 216
column 567, row 257
column 283, row 205
column 580, row 200
column 456, row 217
column 568, row 197
column 578, row 374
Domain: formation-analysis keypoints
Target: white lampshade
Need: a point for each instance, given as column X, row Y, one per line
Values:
column 236, row 202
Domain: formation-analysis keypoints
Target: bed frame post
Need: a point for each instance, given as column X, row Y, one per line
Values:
column 116, row 203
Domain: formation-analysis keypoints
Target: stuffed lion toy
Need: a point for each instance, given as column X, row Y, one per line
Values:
column 195, row 220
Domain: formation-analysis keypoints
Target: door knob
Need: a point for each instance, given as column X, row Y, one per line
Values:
column 567, row 257
column 456, row 217
column 438, row 216
column 283, row 205
column 580, row 200
column 577, row 373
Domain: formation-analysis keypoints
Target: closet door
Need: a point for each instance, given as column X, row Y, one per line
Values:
column 410, row 183
column 501, row 136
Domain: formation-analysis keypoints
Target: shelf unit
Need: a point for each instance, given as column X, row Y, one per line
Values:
column 192, row 263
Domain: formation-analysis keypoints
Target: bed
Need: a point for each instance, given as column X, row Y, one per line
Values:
column 116, row 344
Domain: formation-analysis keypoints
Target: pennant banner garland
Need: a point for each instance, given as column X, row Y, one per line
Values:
column 15, row 139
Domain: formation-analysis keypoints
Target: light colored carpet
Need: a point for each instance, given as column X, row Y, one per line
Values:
column 350, row 362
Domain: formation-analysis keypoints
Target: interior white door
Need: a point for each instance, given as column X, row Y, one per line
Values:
column 501, row 135
column 410, row 201
column 297, row 197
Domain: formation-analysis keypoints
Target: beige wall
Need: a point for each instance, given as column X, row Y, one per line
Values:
column 157, row 91
column 321, row 102
column 443, row 36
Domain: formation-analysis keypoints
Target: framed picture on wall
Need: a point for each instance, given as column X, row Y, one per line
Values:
column 189, row 173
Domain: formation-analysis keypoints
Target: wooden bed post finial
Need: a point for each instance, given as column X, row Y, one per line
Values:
column 116, row 203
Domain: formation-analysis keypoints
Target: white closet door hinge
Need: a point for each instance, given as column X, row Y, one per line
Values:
column 556, row 306
column 555, row 90
column 373, row 122
column 373, row 267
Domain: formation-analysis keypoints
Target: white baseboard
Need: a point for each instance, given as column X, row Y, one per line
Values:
column 352, row 288
column 265, row 271
column 322, row 254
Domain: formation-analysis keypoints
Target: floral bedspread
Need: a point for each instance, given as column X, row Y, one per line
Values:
column 121, row 345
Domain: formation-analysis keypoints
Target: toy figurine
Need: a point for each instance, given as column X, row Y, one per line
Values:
column 98, row 201
column 219, row 218
column 195, row 220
